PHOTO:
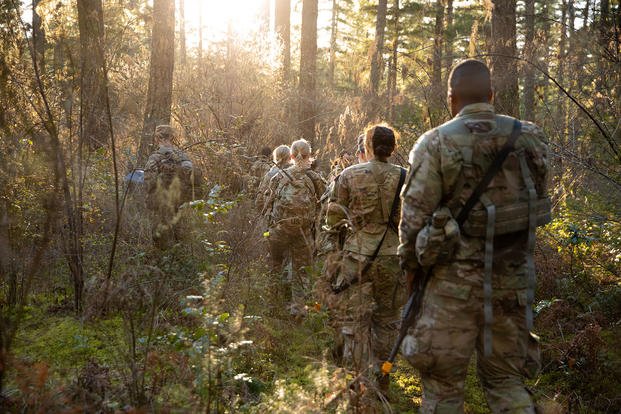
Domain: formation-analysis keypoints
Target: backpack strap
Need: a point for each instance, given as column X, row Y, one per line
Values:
column 393, row 211
column 530, row 249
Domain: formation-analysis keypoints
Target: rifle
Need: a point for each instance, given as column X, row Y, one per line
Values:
column 422, row 276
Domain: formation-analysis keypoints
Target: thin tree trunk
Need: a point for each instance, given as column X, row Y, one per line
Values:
column 377, row 59
column 392, row 79
column 200, row 35
column 94, row 130
column 529, row 70
column 308, row 69
column 282, row 20
column 561, row 115
column 437, row 97
column 38, row 36
column 159, row 95
column 450, row 38
column 333, row 36
column 182, row 43
column 503, row 53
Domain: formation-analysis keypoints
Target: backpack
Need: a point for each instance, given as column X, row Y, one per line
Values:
column 295, row 203
column 162, row 186
column 169, row 167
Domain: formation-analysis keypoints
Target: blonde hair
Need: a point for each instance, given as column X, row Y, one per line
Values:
column 281, row 154
column 301, row 151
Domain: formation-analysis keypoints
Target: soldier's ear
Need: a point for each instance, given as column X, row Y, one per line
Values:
column 490, row 96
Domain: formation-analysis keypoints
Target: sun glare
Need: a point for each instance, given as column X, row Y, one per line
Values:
column 244, row 17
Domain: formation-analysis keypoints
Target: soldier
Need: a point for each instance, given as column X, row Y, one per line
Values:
column 292, row 205
column 464, row 308
column 170, row 179
column 260, row 167
column 282, row 160
column 369, row 284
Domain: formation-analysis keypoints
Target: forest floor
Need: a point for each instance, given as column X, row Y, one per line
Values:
column 208, row 332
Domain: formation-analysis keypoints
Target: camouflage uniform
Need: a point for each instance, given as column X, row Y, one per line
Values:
column 169, row 180
column 258, row 170
column 449, row 328
column 367, row 311
column 293, row 237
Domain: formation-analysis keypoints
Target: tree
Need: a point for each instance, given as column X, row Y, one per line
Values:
column 503, row 57
column 333, row 36
column 437, row 97
column 377, row 59
column 450, row 38
column 159, row 95
column 308, row 69
column 282, row 17
column 392, row 77
column 38, row 36
column 529, row 70
column 182, row 43
column 94, row 128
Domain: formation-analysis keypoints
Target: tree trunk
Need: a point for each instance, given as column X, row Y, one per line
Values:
column 377, row 60
column 392, row 78
column 308, row 69
column 38, row 36
column 282, row 20
column 450, row 38
column 437, row 97
column 503, row 53
column 333, row 35
column 200, row 35
column 529, row 70
column 93, row 125
column 159, row 95
column 182, row 43
column 561, row 116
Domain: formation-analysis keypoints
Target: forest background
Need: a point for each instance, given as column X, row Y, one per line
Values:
column 93, row 318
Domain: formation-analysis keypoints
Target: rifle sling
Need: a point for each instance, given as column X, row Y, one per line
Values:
column 393, row 211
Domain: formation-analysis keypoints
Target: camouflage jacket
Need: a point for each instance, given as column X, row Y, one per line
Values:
column 437, row 165
column 362, row 197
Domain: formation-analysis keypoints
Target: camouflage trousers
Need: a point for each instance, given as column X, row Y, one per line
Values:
column 298, row 247
column 367, row 313
column 450, row 329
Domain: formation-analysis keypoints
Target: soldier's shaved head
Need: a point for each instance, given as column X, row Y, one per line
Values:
column 470, row 82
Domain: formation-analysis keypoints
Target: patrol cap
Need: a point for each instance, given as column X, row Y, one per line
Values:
column 164, row 132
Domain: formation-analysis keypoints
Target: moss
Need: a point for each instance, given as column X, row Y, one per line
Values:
column 66, row 343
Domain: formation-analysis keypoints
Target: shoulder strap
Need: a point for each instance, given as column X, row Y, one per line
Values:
column 490, row 173
column 393, row 211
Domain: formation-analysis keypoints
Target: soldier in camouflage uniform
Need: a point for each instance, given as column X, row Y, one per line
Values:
column 367, row 306
column 170, row 180
column 282, row 160
column 259, row 168
column 450, row 327
column 292, row 205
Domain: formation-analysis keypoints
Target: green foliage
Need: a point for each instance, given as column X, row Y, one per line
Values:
column 66, row 343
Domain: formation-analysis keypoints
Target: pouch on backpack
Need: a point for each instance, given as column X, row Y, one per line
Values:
column 436, row 242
